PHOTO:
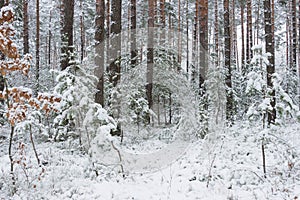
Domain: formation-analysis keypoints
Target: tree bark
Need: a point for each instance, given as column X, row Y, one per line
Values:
column 67, row 21
column 187, row 37
column 150, row 55
column 37, row 48
column 243, row 37
column 99, row 48
column 227, row 43
column 249, row 31
column 107, row 45
column 115, row 27
column 25, row 27
column 294, row 35
column 133, row 49
column 203, row 43
column 195, row 43
column 82, row 33
column 269, row 38
column 49, row 39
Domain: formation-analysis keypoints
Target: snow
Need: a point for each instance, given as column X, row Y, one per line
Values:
column 228, row 167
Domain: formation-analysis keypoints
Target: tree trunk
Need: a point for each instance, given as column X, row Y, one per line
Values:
column 195, row 42
column 299, row 55
column 203, row 43
column 82, row 33
column 179, row 37
column 25, row 27
column 150, row 55
column 249, row 31
column 227, row 43
column 216, row 31
column 67, row 20
column 133, row 49
column 234, row 36
column 115, row 61
column 162, row 20
column 187, row 37
column 294, row 40
column 99, row 58
column 243, row 38
column 37, row 48
column 257, row 23
column 107, row 44
column 269, row 38
column 49, row 40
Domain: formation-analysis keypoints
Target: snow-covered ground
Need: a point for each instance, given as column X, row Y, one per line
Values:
column 229, row 167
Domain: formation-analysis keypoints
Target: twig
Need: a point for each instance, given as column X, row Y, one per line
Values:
column 120, row 158
column 263, row 157
column 33, row 145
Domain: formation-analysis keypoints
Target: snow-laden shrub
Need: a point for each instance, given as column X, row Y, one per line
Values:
column 80, row 116
column 259, row 94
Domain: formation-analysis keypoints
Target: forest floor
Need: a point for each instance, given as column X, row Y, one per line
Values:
column 227, row 166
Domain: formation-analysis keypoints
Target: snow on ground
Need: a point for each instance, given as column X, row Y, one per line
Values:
column 229, row 167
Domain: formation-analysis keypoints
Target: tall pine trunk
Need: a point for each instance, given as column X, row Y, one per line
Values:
column 99, row 58
column 243, row 38
column 37, row 48
column 216, row 31
column 67, row 21
column 203, row 43
column 269, row 39
column 227, row 43
column 25, row 27
column 195, row 45
column 179, row 37
column 82, row 33
column 249, row 31
column 133, row 48
column 294, row 36
column 150, row 55
column 115, row 27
